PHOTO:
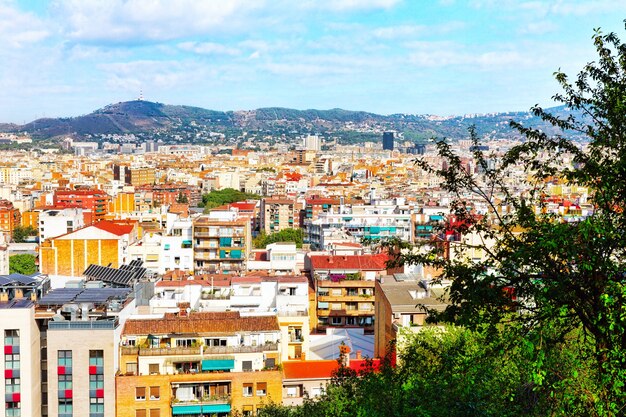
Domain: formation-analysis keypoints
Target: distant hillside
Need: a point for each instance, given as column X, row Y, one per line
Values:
column 145, row 118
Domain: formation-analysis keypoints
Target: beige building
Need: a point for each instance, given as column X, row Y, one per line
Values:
column 21, row 361
column 279, row 214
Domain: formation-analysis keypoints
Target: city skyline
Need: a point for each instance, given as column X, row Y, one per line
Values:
column 67, row 58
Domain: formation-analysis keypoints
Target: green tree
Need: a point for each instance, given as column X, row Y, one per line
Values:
column 182, row 198
column 22, row 264
column 218, row 198
column 285, row 235
column 20, row 233
column 566, row 274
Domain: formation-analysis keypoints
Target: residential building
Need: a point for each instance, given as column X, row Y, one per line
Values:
column 198, row 363
column 278, row 214
column 57, row 222
column 130, row 175
column 9, row 218
column 403, row 301
column 95, row 203
column 344, row 289
column 221, row 243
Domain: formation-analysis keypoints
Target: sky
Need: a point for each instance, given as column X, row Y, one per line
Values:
column 62, row 58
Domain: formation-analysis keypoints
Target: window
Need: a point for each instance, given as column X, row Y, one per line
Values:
column 155, row 393
column 292, row 392
column 12, row 385
column 247, row 411
column 65, row 382
column 246, row 365
column 215, row 342
column 261, row 389
column 96, row 358
column 140, row 393
column 96, row 381
column 96, row 406
column 140, row 413
column 336, row 292
column 66, row 407
column 185, row 342
column 351, row 321
column 247, row 390
column 11, row 337
column 131, row 368
column 65, row 358
column 335, row 306
column 335, row 321
column 155, row 412
column 153, row 368
column 292, row 291
column 270, row 363
column 12, row 361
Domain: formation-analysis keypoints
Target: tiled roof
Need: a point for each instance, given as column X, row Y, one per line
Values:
column 201, row 323
column 359, row 262
column 115, row 228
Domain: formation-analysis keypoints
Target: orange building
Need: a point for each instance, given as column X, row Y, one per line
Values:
column 95, row 203
column 9, row 217
column 198, row 364
column 103, row 243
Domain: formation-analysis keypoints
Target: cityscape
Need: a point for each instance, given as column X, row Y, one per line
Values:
column 165, row 253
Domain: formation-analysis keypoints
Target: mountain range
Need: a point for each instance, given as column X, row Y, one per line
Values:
column 145, row 118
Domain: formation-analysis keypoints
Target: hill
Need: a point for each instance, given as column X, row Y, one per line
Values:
column 145, row 118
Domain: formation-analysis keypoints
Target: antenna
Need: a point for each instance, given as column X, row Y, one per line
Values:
column 140, row 95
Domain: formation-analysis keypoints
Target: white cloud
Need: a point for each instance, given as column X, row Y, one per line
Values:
column 350, row 5
column 207, row 48
column 538, row 28
column 18, row 28
column 150, row 20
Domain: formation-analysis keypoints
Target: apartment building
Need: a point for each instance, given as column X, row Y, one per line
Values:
column 56, row 222
column 21, row 362
column 221, row 243
column 95, row 203
column 278, row 214
column 344, row 289
column 370, row 222
column 198, row 364
column 9, row 218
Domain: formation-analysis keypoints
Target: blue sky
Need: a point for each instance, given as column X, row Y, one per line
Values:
column 69, row 57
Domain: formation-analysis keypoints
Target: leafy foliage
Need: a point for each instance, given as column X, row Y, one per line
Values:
column 22, row 264
column 457, row 372
column 218, row 198
column 285, row 235
column 20, row 233
column 567, row 275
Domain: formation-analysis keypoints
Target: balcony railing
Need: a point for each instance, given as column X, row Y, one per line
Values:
column 82, row 325
column 213, row 399
column 206, row 350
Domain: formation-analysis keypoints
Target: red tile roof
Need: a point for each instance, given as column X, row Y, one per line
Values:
column 359, row 262
column 115, row 228
column 201, row 323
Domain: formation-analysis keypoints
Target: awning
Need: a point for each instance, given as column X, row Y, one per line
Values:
column 218, row 364
column 187, row 409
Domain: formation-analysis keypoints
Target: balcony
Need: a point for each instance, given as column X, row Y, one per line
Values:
column 206, row 350
column 201, row 406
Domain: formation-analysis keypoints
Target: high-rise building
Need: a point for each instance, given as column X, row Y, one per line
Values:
column 388, row 141
column 312, row 143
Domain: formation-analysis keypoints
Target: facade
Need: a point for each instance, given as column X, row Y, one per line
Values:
column 278, row 214
column 198, row 364
column 104, row 243
column 344, row 289
column 95, row 203
column 9, row 218
column 221, row 244
column 388, row 141
column 134, row 175
column 401, row 303
column 57, row 222
column 21, row 361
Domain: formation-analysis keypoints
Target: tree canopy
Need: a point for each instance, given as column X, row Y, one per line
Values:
column 558, row 272
column 218, row 198
column 285, row 235
column 22, row 264
column 20, row 233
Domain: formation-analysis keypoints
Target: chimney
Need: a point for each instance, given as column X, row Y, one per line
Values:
column 303, row 356
column 359, row 355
